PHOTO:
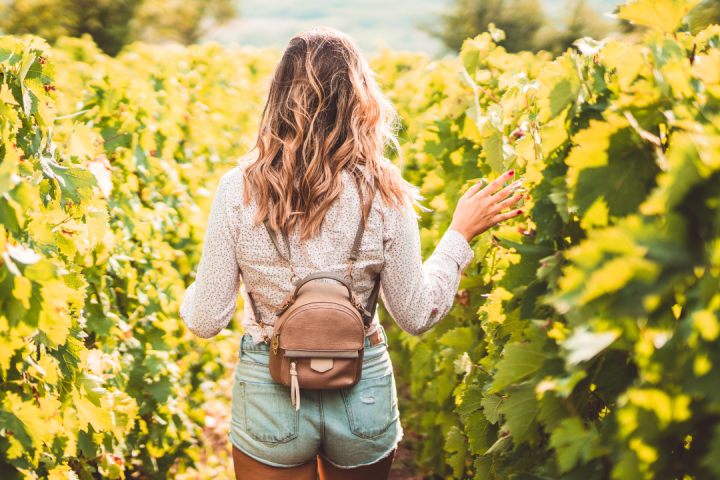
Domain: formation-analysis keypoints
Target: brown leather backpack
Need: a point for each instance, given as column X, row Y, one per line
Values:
column 318, row 339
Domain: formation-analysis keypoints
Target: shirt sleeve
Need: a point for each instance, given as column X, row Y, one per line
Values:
column 419, row 295
column 210, row 301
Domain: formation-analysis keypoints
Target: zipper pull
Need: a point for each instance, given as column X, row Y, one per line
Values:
column 294, row 386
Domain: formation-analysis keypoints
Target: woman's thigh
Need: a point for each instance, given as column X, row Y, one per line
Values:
column 247, row 468
column 377, row 471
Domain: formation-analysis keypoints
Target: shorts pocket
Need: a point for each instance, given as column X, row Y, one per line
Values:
column 268, row 414
column 370, row 406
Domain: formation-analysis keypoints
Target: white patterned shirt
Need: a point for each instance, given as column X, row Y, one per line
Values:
column 238, row 252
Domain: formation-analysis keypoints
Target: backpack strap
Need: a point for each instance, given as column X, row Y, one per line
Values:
column 369, row 312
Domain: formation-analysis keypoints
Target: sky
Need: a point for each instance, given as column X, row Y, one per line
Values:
column 373, row 23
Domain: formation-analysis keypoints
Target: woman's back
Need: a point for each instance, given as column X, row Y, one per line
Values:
column 318, row 172
column 236, row 250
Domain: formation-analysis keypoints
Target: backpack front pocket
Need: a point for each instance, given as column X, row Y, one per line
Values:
column 268, row 415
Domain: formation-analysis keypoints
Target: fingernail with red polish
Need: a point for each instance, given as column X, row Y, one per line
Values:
column 511, row 172
column 519, row 212
column 479, row 181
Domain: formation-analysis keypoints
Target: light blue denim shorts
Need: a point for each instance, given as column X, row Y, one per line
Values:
column 350, row 427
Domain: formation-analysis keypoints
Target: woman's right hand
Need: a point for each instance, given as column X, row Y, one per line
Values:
column 479, row 210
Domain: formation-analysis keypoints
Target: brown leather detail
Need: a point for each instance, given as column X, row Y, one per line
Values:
column 322, row 326
column 358, row 240
column 322, row 365
column 344, row 374
column 375, row 338
column 273, row 238
column 316, row 276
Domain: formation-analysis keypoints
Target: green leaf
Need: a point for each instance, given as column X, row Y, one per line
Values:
column 493, row 150
column 481, row 433
column 502, row 445
column 611, row 163
column 75, row 182
column 470, row 400
column 712, row 458
column 483, row 468
column 561, row 86
column 91, row 386
column 456, row 442
column 552, row 411
column 461, row 338
column 520, row 410
column 490, row 404
column 573, row 443
column 519, row 362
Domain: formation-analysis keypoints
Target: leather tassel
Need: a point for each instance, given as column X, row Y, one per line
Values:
column 294, row 387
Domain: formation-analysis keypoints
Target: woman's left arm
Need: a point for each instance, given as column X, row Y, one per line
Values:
column 210, row 301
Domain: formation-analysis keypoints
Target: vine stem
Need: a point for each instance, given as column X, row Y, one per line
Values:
column 533, row 130
column 490, row 95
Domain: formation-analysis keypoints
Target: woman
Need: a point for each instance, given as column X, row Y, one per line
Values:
column 316, row 171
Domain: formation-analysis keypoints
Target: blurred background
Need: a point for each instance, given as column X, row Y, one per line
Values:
column 436, row 27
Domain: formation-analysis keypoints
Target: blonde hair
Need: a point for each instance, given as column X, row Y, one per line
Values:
column 324, row 113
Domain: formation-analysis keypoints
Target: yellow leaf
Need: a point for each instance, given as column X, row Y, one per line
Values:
column 82, row 142
column 6, row 95
column 665, row 15
column 701, row 365
column 22, row 291
column 493, row 307
column 591, row 148
column 98, row 417
column 553, row 135
column 615, row 274
column 49, row 364
column 439, row 203
column 31, row 417
column 707, row 324
column 596, row 216
column 707, row 67
column 62, row 472
column 625, row 59
column 432, row 182
column 677, row 75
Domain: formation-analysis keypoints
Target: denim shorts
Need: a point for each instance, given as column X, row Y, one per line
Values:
column 350, row 427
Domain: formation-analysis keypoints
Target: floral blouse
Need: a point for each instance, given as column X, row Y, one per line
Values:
column 238, row 256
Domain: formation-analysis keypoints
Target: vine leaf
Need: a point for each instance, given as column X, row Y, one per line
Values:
column 520, row 410
column 490, row 405
column 573, row 442
column 520, row 361
column 665, row 15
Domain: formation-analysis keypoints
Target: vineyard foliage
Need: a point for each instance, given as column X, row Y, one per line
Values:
column 101, row 223
column 583, row 343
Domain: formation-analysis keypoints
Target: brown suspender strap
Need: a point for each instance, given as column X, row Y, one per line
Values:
column 356, row 243
column 273, row 238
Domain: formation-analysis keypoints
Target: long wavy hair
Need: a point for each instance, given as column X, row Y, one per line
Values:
column 325, row 113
